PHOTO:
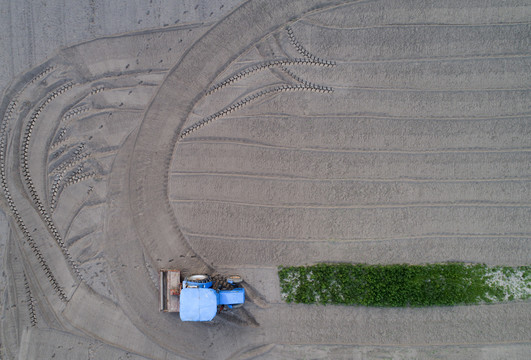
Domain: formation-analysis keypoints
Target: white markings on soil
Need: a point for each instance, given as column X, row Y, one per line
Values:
column 516, row 284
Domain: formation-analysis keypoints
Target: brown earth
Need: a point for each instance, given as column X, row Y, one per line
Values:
column 287, row 133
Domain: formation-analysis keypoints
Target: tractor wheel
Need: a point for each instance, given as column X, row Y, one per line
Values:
column 236, row 279
column 198, row 279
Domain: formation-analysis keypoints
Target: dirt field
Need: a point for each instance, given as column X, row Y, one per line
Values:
column 287, row 133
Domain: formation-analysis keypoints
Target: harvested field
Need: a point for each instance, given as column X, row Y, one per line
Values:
column 284, row 134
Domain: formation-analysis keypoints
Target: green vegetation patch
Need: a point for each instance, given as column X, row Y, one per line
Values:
column 403, row 285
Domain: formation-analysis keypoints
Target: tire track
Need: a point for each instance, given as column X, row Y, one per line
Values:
column 524, row 236
column 29, row 181
column 58, row 173
column 391, row 117
column 436, row 58
column 267, row 65
column 31, row 36
column 477, row 204
column 390, row 89
column 251, row 98
column 255, row 144
column 3, row 164
column 31, row 303
column 301, row 49
column 360, row 179
column 308, row 59
column 310, row 22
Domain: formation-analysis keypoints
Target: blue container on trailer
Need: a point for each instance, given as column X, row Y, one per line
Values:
column 201, row 304
column 198, row 304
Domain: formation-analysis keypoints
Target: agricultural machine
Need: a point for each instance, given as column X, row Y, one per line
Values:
column 199, row 297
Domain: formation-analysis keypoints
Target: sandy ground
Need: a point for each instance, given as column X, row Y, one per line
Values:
column 34, row 30
column 285, row 134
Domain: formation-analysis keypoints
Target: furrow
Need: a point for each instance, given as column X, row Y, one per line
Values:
column 359, row 179
column 457, row 204
column 367, row 239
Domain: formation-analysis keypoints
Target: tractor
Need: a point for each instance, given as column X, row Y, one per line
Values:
column 199, row 297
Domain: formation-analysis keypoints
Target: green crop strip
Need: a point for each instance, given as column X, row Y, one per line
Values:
column 404, row 285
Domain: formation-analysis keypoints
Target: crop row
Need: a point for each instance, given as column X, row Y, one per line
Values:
column 403, row 285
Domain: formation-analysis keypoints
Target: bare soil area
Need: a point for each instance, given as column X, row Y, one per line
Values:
column 286, row 133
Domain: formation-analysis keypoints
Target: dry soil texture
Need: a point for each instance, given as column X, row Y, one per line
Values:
column 287, row 133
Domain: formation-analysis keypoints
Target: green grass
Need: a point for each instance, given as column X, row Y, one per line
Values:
column 403, row 285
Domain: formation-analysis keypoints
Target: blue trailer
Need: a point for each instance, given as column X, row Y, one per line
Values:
column 199, row 297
